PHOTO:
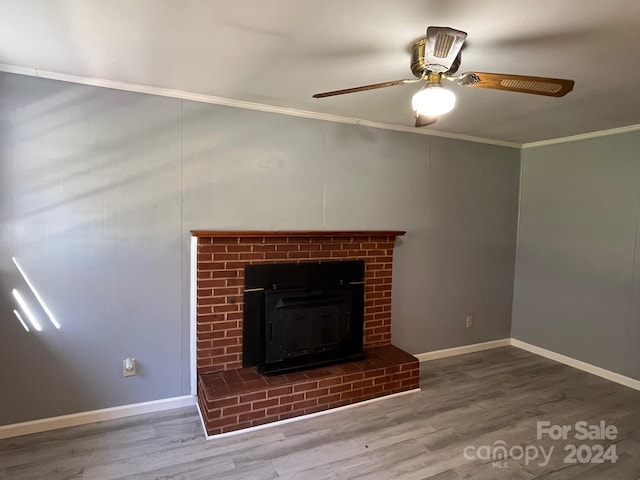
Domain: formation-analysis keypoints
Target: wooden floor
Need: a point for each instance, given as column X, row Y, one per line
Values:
column 467, row 401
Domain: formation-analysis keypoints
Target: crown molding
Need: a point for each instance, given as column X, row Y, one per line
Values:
column 230, row 102
column 583, row 136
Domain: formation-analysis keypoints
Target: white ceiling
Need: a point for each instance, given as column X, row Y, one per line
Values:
column 280, row 52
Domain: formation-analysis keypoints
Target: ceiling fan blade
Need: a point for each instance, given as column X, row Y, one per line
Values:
column 442, row 48
column 364, row 88
column 551, row 87
column 425, row 120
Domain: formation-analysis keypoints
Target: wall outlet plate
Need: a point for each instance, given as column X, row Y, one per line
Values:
column 129, row 367
column 469, row 321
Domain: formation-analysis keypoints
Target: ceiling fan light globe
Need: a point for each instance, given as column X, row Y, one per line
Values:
column 433, row 101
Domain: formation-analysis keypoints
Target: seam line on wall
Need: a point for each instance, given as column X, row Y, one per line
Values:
column 324, row 184
column 634, row 309
column 517, row 249
column 182, row 233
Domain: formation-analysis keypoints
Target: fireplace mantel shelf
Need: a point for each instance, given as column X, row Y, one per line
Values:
column 296, row 233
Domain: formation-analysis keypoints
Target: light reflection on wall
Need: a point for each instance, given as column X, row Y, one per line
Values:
column 27, row 311
column 52, row 318
column 17, row 314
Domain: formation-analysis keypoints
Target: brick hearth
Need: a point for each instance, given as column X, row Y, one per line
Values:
column 235, row 399
column 232, row 397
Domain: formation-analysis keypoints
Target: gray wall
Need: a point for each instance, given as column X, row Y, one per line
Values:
column 576, row 283
column 99, row 189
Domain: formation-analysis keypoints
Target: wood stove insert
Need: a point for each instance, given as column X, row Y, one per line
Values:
column 303, row 315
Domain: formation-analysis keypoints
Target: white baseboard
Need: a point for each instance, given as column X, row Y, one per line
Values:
column 558, row 357
column 74, row 419
column 580, row 365
column 301, row 417
column 452, row 352
column 54, row 423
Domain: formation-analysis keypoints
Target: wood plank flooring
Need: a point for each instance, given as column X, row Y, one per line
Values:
column 472, row 400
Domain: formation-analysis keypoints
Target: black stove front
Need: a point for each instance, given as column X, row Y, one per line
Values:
column 299, row 316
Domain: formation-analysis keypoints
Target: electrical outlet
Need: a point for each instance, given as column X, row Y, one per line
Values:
column 129, row 367
column 469, row 321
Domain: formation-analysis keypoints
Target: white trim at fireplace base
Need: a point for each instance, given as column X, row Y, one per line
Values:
column 301, row 417
column 82, row 418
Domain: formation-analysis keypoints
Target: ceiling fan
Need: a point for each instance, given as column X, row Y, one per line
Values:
column 436, row 58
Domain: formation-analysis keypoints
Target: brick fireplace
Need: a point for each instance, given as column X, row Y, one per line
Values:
column 232, row 397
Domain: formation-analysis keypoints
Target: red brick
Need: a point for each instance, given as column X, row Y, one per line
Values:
column 222, row 422
column 277, row 392
column 233, row 349
column 227, row 358
column 318, row 408
column 305, row 404
column 299, row 255
column 210, row 301
column 303, row 387
column 252, row 415
column 340, row 388
column 226, row 291
column 362, row 384
column 224, row 240
column 401, row 376
column 223, row 402
column 412, row 382
column 376, row 390
column 316, row 393
column 252, row 256
column 279, row 409
column 330, row 382
column 353, row 377
column 351, row 394
column 264, row 248
column 275, row 256
column 211, row 283
column 202, row 266
column 239, row 265
column 327, row 399
column 374, row 373
column 212, row 248
column 237, row 426
column 225, row 325
column 250, row 397
column 242, row 408
column 226, row 308
column 286, row 415
column 217, row 257
column 312, row 247
column 238, row 248
column 205, row 257
column 226, row 341
column 271, row 402
column 287, row 248
column 224, row 273
column 262, row 421
column 215, row 317
column 296, row 397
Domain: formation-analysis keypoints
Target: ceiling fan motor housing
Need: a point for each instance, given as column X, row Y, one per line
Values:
column 419, row 67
